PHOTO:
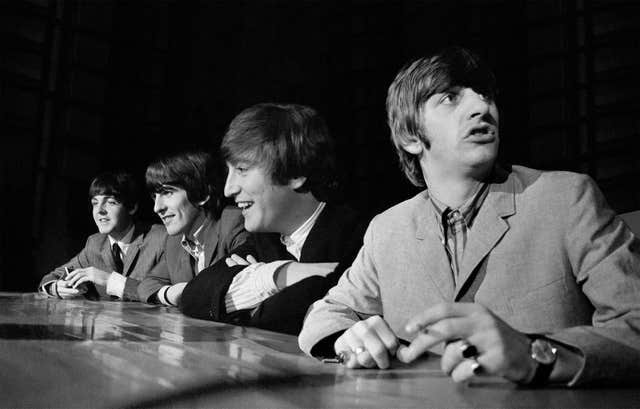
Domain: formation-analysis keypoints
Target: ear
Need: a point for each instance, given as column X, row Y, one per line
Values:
column 412, row 145
column 203, row 201
column 133, row 210
column 295, row 183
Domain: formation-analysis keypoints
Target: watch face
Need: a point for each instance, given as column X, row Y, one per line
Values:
column 543, row 352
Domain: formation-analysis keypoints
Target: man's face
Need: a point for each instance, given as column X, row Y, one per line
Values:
column 175, row 210
column 462, row 128
column 266, row 206
column 110, row 215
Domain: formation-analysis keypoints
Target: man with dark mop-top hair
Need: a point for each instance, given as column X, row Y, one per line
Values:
column 122, row 253
column 514, row 272
column 281, row 171
column 201, row 230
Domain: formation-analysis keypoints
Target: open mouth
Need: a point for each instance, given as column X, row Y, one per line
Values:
column 166, row 219
column 482, row 133
column 244, row 205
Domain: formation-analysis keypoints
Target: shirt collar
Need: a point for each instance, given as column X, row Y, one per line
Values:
column 466, row 210
column 295, row 240
column 125, row 241
column 194, row 245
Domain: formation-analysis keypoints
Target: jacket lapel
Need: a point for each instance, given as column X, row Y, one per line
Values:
column 133, row 250
column 315, row 246
column 488, row 228
column 105, row 252
column 210, row 239
column 435, row 263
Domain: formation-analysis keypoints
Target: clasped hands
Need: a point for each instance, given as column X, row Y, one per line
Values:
column 74, row 284
column 499, row 349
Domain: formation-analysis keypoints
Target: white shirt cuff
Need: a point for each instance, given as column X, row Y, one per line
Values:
column 47, row 286
column 252, row 285
column 115, row 284
column 162, row 295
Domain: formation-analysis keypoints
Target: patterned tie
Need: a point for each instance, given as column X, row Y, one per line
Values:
column 117, row 257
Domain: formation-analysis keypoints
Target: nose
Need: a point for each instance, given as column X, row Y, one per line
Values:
column 158, row 204
column 102, row 209
column 231, row 187
column 477, row 103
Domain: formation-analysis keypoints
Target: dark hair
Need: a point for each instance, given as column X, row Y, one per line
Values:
column 289, row 141
column 120, row 185
column 416, row 83
column 191, row 171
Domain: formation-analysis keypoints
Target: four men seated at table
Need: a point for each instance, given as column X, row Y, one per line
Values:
column 504, row 270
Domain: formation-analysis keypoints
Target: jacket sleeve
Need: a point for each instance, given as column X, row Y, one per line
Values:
column 203, row 297
column 605, row 258
column 355, row 297
column 285, row 310
column 157, row 278
column 152, row 254
column 80, row 260
column 130, row 292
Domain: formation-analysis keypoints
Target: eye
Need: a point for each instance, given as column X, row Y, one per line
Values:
column 448, row 98
column 241, row 169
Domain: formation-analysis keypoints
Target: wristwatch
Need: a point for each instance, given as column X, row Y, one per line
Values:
column 544, row 354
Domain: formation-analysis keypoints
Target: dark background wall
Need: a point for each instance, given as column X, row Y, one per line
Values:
column 88, row 85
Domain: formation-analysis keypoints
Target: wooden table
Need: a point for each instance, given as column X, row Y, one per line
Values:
column 78, row 353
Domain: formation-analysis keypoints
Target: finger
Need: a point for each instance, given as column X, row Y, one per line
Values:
column 466, row 369
column 366, row 360
column 352, row 344
column 68, row 292
column 450, row 329
column 438, row 313
column 251, row 259
column 452, row 356
column 230, row 262
column 62, row 284
column 371, row 333
column 71, row 275
column 73, row 281
column 239, row 260
column 80, row 281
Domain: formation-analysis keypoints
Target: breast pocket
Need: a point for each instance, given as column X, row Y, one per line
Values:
column 544, row 308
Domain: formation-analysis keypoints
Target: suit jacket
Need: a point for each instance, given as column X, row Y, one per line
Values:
column 145, row 251
column 176, row 266
column 545, row 253
column 335, row 237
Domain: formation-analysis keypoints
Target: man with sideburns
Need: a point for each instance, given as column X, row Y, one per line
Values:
column 201, row 230
column 514, row 272
column 281, row 168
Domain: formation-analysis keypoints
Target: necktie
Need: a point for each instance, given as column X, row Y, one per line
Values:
column 117, row 257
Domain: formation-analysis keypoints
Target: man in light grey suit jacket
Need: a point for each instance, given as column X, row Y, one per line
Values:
column 515, row 272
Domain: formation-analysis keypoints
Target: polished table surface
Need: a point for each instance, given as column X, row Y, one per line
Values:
column 79, row 353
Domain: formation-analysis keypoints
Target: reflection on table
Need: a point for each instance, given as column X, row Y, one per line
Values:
column 79, row 353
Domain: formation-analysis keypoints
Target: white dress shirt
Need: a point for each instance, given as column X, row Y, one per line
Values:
column 256, row 282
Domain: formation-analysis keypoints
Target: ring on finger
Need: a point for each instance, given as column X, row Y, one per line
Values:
column 359, row 350
column 476, row 368
column 468, row 350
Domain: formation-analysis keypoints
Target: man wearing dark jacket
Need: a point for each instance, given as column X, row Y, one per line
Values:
column 281, row 165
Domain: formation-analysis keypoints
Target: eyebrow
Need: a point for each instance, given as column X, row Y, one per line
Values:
column 167, row 186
